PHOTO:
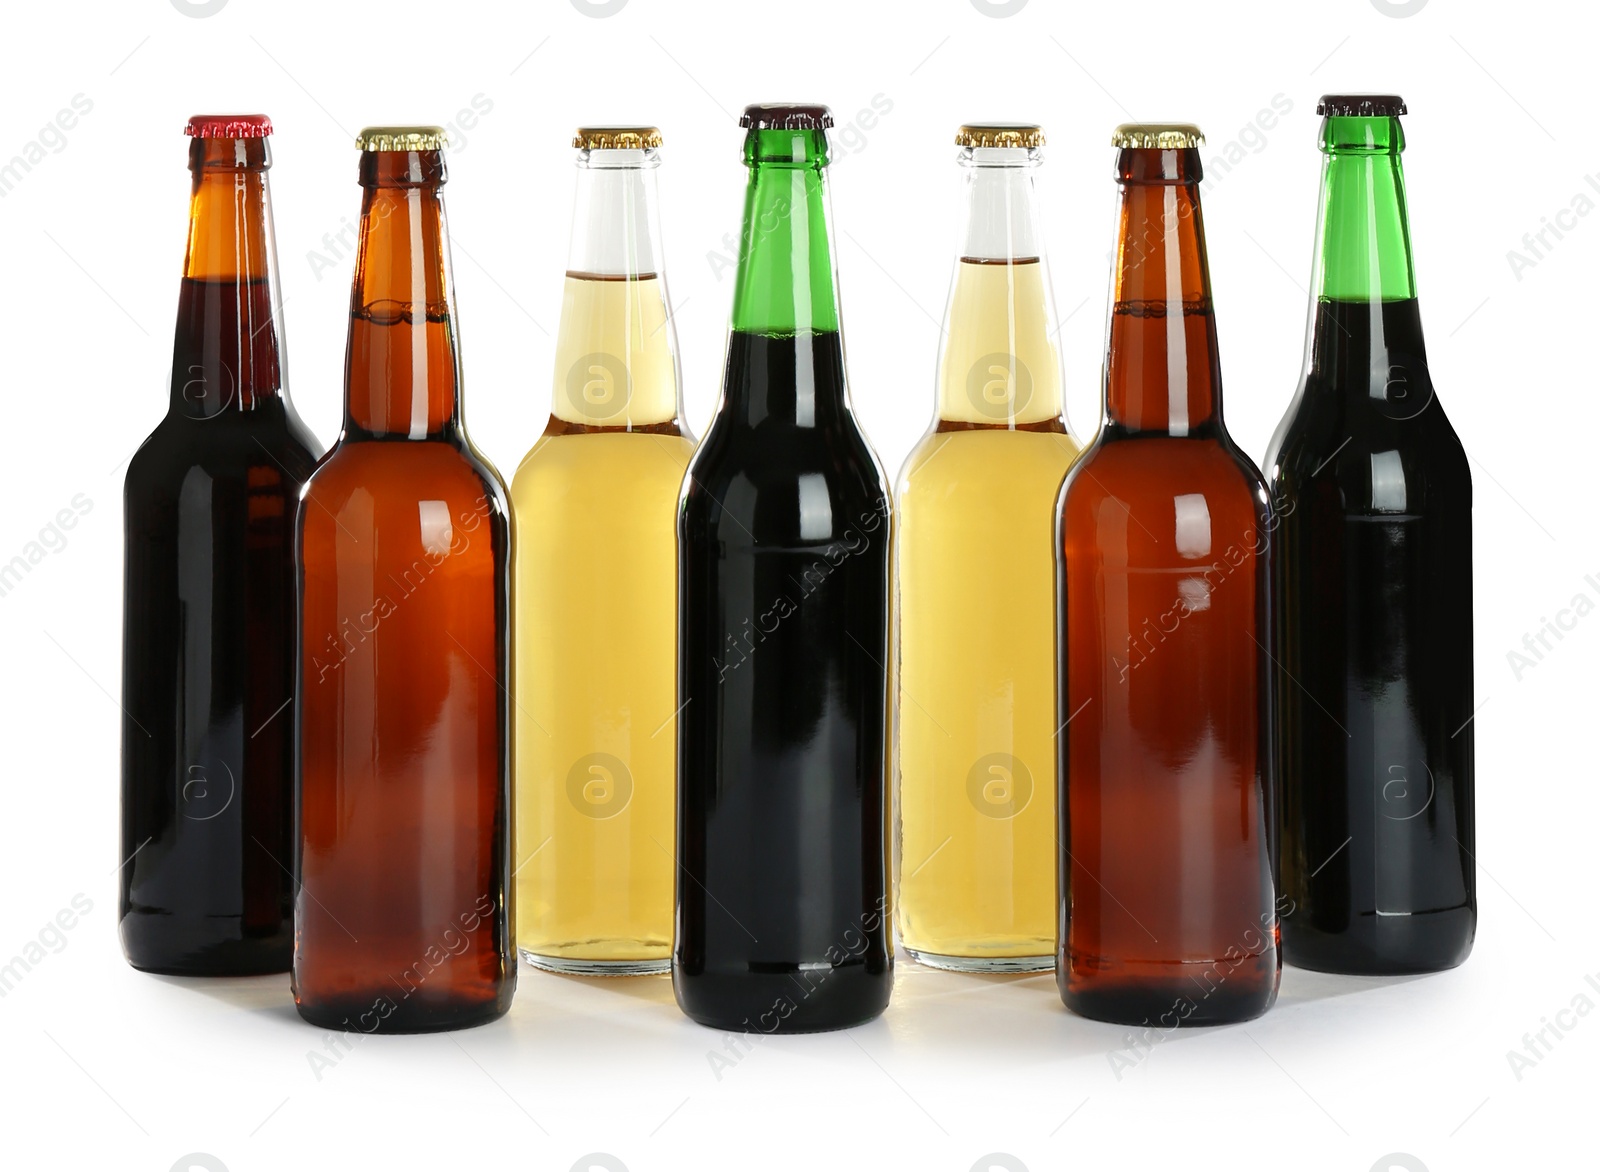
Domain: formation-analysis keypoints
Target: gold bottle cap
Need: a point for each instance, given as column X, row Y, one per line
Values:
column 1000, row 134
column 1162, row 136
column 617, row 138
column 402, row 138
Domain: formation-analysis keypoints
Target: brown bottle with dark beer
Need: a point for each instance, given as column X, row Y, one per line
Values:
column 1167, row 907
column 208, row 597
column 401, row 916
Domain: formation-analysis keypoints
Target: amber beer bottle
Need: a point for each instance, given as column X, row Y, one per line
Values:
column 208, row 598
column 594, row 586
column 783, row 561
column 401, row 916
column 1167, row 906
column 1372, row 576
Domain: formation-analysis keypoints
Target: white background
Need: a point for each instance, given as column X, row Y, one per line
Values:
column 107, row 1068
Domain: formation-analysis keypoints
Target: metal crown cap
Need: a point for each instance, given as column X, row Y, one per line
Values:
column 402, row 138
column 229, row 126
column 786, row 116
column 616, row 138
column 1000, row 134
column 1361, row 105
column 1163, row 136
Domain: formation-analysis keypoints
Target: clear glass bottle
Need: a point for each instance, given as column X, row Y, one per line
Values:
column 974, row 683
column 593, row 572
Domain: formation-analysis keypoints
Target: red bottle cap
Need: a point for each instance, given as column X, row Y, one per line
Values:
column 229, row 126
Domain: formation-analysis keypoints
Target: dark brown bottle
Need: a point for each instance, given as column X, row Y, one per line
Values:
column 1167, row 914
column 208, row 598
column 401, row 906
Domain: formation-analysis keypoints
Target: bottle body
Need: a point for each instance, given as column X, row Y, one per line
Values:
column 208, row 609
column 783, row 559
column 1372, row 569
column 783, row 587
column 403, row 870
column 974, row 578
column 1168, row 904
column 595, row 582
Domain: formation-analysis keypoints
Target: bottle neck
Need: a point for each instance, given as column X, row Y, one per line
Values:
column 228, row 346
column 1162, row 373
column 1364, row 310
column 1000, row 367
column 616, row 349
column 785, row 282
column 402, row 369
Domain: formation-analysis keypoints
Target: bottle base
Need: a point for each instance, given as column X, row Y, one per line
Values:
column 800, row 999
column 569, row 966
column 380, row 1014
column 1373, row 945
column 216, row 946
column 982, row 964
column 1171, row 995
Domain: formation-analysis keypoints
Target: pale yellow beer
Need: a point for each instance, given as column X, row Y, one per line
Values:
column 594, row 582
column 974, row 674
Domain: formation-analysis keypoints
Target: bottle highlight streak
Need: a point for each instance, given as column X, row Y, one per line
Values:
column 401, row 913
column 783, row 542
column 594, row 577
column 1168, row 915
column 208, row 598
column 1372, row 569
column 974, row 766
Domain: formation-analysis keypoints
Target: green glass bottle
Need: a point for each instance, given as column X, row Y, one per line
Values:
column 1372, row 576
column 783, row 561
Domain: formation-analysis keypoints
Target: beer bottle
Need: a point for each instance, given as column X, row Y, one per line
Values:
column 401, row 916
column 208, row 597
column 974, row 577
column 1167, row 906
column 783, row 558
column 1372, row 578
column 595, row 506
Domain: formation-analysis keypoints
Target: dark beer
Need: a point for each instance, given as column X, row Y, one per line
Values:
column 783, row 558
column 1372, row 573
column 208, row 598
column 1167, row 903
column 401, row 915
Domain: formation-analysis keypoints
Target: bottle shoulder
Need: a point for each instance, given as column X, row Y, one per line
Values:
column 1371, row 454
column 562, row 458
column 987, row 460
column 231, row 446
column 407, row 470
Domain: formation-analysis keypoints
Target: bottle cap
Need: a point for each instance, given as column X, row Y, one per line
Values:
column 786, row 116
column 1361, row 105
column 229, row 126
column 617, row 138
column 1162, row 136
column 1000, row 134
column 402, row 138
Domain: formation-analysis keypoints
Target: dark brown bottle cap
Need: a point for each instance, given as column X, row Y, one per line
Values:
column 1361, row 105
column 786, row 116
column 229, row 126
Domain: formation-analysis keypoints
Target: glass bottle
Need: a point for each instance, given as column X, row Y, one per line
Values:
column 1372, row 576
column 595, row 507
column 1168, row 916
column 401, row 916
column 974, row 767
column 783, row 559
column 208, row 597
